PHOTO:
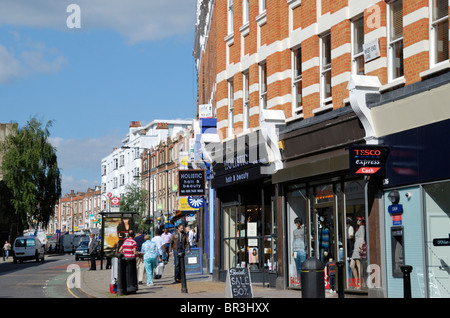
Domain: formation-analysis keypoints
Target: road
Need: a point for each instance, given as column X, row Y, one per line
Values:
column 53, row 278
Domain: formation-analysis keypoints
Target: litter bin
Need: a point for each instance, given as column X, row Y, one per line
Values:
column 313, row 278
column 127, row 276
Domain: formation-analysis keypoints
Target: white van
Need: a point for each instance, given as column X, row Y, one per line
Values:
column 28, row 247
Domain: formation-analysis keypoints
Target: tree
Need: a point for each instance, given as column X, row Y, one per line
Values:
column 134, row 200
column 31, row 173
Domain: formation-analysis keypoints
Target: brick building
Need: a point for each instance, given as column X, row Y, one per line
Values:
column 341, row 73
column 77, row 212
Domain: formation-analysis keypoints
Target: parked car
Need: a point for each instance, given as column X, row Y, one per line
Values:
column 82, row 251
column 26, row 248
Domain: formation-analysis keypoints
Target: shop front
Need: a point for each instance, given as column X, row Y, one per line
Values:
column 326, row 210
column 417, row 211
column 246, row 214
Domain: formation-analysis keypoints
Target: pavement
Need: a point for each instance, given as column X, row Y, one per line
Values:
column 96, row 284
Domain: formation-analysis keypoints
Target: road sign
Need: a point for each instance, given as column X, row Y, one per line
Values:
column 115, row 201
column 109, row 195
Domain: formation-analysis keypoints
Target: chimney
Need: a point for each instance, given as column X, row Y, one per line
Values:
column 135, row 124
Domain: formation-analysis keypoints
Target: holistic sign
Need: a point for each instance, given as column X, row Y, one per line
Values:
column 238, row 284
column 191, row 182
column 368, row 160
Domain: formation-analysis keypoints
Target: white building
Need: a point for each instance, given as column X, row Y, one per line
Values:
column 122, row 166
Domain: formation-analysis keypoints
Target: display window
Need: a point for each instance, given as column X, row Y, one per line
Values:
column 327, row 221
column 437, row 218
column 249, row 237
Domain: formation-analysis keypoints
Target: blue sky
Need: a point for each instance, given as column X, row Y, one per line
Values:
column 129, row 61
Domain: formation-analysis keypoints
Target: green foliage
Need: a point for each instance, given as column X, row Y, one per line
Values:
column 135, row 200
column 31, row 172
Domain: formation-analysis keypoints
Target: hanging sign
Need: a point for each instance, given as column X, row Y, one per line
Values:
column 191, row 182
column 368, row 160
column 196, row 202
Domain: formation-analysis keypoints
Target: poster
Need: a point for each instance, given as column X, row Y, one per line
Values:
column 116, row 231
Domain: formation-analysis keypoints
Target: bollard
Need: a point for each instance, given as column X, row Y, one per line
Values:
column 406, row 270
column 313, row 278
column 182, row 273
column 120, row 276
column 340, row 279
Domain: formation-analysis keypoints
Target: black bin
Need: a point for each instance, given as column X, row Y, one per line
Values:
column 127, row 276
column 313, row 278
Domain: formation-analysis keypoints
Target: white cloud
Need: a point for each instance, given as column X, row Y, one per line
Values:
column 80, row 159
column 10, row 68
column 136, row 20
column 25, row 57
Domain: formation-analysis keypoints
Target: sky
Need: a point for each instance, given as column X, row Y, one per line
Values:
column 92, row 67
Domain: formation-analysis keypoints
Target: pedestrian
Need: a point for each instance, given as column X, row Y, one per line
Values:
column 178, row 244
column 166, row 236
column 151, row 255
column 92, row 251
column 160, row 244
column 6, row 249
column 190, row 236
column 140, row 266
column 129, row 246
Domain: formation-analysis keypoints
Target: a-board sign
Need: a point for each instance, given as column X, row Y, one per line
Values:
column 238, row 284
column 193, row 261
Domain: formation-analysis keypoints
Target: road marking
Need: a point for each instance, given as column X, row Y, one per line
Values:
column 67, row 284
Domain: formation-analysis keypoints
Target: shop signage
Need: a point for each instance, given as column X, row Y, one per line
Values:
column 368, row 160
column 397, row 219
column 196, row 202
column 184, row 205
column 193, row 261
column 238, row 284
column 395, row 208
column 442, row 241
column 191, row 182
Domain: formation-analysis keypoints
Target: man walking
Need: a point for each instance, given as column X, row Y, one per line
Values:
column 92, row 251
column 166, row 236
column 178, row 244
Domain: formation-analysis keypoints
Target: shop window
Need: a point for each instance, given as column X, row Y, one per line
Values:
column 437, row 220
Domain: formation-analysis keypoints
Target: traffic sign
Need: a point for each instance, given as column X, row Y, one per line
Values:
column 109, row 195
column 115, row 201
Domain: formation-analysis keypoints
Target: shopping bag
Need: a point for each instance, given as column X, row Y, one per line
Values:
column 159, row 270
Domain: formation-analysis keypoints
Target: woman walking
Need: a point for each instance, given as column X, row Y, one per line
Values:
column 150, row 250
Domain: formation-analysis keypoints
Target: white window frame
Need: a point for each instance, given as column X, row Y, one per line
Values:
column 324, row 70
column 230, row 107
column 262, row 6
column 356, row 55
column 433, row 35
column 246, row 100
column 230, row 16
column 263, row 85
column 296, row 82
column 391, row 45
column 245, row 12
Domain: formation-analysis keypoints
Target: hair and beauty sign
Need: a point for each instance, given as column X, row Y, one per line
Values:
column 191, row 182
column 368, row 160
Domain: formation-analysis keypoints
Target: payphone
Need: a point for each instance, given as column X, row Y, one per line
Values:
column 397, row 250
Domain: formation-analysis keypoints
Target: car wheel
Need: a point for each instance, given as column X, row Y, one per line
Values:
column 37, row 256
